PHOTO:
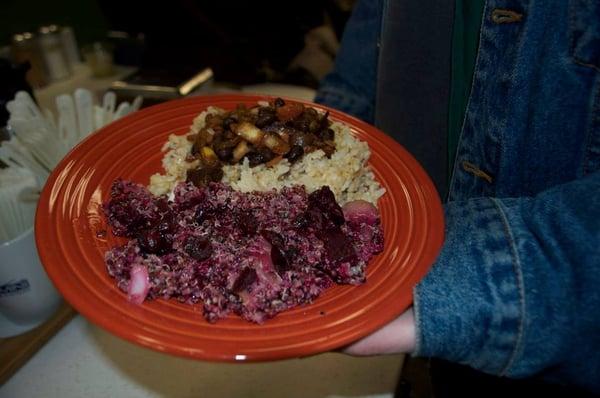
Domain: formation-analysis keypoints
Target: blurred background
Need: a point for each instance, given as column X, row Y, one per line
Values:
column 242, row 43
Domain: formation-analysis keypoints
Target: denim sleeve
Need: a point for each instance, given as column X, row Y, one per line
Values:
column 516, row 289
column 352, row 84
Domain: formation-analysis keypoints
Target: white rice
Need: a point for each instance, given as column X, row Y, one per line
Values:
column 346, row 172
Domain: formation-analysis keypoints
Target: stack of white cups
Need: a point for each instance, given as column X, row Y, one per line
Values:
column 27, row 298
column 37, row 144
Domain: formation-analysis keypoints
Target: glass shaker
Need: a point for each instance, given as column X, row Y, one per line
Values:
column 67, row 36
column 53, row 52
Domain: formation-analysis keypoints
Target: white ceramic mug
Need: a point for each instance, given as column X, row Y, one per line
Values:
column 27, row 297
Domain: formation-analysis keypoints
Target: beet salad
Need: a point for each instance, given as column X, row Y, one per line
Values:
column 254, row 254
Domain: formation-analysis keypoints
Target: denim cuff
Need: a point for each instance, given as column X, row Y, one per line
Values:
column 345, row 100
column 469, row 308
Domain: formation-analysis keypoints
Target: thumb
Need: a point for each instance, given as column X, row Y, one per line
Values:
column 398, row 336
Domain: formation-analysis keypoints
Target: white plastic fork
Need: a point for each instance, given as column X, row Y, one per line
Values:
column 85, row 107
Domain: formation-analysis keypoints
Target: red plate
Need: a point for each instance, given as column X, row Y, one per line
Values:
column 69, row 222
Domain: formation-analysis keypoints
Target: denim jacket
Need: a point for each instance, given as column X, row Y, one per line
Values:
column 515, row 290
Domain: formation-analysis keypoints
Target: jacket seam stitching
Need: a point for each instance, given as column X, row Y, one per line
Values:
column 589, row 141
column 519, row 278
column 416, row 311
column 454, row 170
column 580, row 62
column 573, row 41
column 380, row 45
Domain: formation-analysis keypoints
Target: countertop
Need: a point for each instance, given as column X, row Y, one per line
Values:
column 82, row 360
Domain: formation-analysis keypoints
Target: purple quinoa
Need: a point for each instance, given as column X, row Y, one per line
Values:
column 255, row 254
